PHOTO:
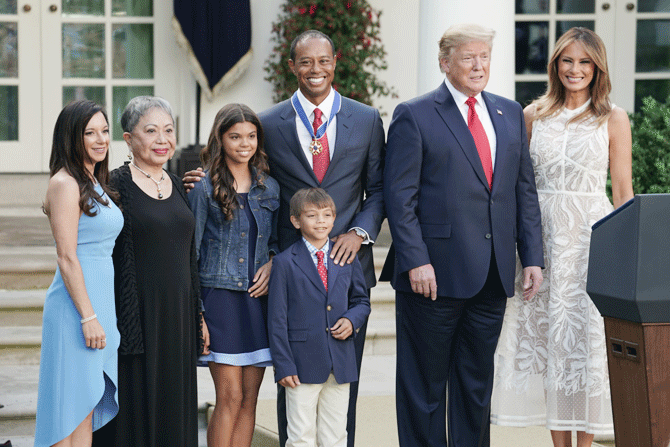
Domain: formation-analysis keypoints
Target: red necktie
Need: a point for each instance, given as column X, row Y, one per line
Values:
column 321, row 160
column 321, row 267
column 481, row 140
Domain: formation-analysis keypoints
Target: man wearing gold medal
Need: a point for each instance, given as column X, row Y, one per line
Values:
column 315, row 147
column 343, row 155
column 320, row 139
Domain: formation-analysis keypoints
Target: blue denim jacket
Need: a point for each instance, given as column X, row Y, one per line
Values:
column 221, row 245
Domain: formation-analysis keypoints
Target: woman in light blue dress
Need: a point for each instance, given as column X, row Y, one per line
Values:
column 78, row 364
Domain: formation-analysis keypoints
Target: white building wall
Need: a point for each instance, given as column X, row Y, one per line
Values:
column 399, row 34
column 435, row 16
column 409, row 32
column 174, row 81
column 251, row 89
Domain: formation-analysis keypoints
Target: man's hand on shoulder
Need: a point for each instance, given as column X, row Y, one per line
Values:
column 345, row 247
column 423, row 281
column 532, row 279
column 191, row 177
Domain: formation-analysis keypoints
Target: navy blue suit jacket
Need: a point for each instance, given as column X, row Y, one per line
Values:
column 354, row 176
column 301, row 314
column 440, row 208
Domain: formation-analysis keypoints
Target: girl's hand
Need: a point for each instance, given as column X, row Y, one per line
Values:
column 205, row 336
column 94, row 334
column 261, row 281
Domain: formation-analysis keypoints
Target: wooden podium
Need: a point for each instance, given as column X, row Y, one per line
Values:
column 629, row 282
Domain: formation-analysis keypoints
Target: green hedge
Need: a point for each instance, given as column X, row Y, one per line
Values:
column 651, row 147
column 354, row 27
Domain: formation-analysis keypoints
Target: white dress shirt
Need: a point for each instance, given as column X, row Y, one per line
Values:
column 482, row 113
column 304, row 136
column 312, row 251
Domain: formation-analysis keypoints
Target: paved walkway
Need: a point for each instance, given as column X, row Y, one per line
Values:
column 376, row 426
column 25, row 235
column 376, row 407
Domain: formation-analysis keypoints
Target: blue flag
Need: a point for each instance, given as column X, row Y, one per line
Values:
column 217, row 36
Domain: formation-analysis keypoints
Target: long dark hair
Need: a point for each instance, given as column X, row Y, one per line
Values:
column 68, row 153
column 213, row 155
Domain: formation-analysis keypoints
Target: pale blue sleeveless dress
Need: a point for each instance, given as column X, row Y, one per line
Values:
column 75, row 380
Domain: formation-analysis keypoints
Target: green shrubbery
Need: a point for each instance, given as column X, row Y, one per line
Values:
column 651, row 147
column 354, row 27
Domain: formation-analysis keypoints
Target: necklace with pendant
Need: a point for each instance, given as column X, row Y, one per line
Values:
column 157, row 182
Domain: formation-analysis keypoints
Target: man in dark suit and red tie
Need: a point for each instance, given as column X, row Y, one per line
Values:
column 460, row 197
column 319, row 138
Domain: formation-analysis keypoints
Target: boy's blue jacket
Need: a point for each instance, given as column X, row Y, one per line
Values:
column 301, row 314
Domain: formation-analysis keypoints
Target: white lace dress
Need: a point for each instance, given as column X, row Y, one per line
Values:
column 551, row 362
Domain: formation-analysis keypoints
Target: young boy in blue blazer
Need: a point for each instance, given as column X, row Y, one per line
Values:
column 315, row 309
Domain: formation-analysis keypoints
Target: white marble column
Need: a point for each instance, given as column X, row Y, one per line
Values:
column 435, row 16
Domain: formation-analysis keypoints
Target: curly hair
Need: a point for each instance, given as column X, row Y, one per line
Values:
column 68, row 153
column 213, row 155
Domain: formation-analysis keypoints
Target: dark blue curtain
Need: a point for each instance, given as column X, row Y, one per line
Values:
column 219, row 32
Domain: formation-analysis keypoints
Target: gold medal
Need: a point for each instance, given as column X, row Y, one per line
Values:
column 315, row 147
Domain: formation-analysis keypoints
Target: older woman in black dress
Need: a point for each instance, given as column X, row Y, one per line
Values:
column 157, row 290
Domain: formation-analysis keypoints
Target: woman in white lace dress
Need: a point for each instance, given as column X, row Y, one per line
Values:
column 551, row 363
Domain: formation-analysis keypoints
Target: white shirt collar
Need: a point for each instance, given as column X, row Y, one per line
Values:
column 460, row 97
column 326, row 105
column 313, row 250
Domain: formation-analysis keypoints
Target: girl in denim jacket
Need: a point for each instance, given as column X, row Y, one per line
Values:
column 235, row 209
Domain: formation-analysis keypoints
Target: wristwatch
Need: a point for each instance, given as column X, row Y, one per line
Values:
column 362, row 234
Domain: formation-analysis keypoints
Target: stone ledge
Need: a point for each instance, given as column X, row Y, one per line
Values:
column 18, row 441
column 264, row 437
column 20, row 336
column 380, row 329
column 23, row 190
column 13, row 300
column 18, row 391
column 28, row 258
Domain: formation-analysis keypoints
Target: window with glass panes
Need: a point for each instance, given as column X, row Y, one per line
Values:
column 538, row 24
column 107, row 53
column 652, row 56
column 636, row 35
column 9, row 71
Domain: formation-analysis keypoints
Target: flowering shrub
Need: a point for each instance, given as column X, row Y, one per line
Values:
column 354, row 28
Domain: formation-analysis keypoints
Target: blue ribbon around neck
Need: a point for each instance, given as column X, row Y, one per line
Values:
column 337, row 102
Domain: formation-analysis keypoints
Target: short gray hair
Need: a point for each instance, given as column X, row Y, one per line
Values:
column 460, row 34
column 139, row 106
